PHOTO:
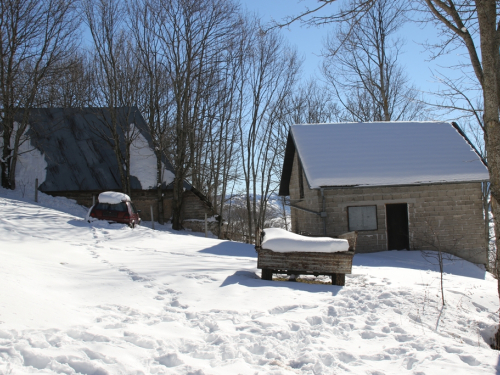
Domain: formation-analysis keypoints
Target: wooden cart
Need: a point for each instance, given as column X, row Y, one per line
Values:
column 336, row 265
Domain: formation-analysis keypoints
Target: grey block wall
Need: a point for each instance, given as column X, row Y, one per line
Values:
column 448, row 215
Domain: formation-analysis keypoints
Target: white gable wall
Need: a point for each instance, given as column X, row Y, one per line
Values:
column 31, row 164
column 143, row 163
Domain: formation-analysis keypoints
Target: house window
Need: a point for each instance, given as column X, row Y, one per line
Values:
column 362, row 218
column 301, row 181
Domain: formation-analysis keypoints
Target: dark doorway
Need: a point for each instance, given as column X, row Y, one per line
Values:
column 397, row 226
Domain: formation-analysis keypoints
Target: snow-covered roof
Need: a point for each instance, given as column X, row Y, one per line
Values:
column 382, row 153
column 79, row 159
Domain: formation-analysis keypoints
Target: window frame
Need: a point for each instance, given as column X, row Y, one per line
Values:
column 364, row 230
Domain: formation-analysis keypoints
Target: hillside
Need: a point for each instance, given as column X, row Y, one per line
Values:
column 79, row 298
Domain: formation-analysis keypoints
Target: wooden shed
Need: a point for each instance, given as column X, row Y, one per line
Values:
column 400, row 185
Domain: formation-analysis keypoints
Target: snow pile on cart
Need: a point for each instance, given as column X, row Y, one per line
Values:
column 283, row 241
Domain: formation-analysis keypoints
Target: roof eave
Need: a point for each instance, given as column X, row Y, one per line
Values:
column 398, row 185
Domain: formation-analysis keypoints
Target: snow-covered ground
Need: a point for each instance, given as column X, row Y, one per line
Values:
column 107, row 299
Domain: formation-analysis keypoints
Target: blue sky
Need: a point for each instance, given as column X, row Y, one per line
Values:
column 309, row 41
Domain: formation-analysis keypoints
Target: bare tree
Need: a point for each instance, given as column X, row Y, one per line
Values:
column 156, row 99
column 191, row 34
column 117, row 76
column 35, row 36
column 72, row 84
column 361, row 65
column 272, row 73
column 312, row 104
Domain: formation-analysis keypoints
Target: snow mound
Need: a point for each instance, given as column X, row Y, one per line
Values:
column 282, row 241
column 113, row 197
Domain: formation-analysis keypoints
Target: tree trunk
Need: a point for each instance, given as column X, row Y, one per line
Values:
column 6, row 155
column 486, row 11
column 158, row 187
column 177, row 203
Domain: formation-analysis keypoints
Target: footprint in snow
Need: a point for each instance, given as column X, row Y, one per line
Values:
column 479, row 308
column 176, row 303
column 140, row 340
column 169, row 360
column 346, row 357
column 368, row 335
column 385, row 295
column 451, row 349
column 404, row 338
column 200, row 278
column 314, row 320
column 410, row 362
column 282, row 309
column 168, row 291
column 134, row 276
column 371, row 320
column 470, row 360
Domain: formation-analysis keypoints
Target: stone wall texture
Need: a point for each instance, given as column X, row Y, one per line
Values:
column 447, row 215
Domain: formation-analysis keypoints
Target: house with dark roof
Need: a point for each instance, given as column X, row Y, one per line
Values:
column 68, row 151
column 400, row 185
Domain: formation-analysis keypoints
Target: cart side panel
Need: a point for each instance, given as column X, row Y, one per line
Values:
column 323, row 263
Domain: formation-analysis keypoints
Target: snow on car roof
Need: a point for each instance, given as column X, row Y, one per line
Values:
column 113, row 197
column 385, row 153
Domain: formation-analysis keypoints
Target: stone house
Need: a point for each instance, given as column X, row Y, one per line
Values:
column 66, row 149
column 405, row 185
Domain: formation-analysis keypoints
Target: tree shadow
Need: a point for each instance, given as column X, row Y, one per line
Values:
column 251, row 280
column 232, row 249
column 81, row 223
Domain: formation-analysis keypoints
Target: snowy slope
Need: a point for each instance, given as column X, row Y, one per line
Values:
column 106, row 299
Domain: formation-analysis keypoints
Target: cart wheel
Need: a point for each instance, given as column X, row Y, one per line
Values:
column 267, row 274
column 338, row 279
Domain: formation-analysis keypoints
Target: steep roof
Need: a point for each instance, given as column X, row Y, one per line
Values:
column 381, row 154
column 77, row 156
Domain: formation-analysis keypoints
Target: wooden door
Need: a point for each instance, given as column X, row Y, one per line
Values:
column 397, row 226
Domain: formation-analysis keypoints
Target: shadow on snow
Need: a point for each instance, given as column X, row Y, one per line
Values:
column 233, row 249
column 251, row 280
column 419, row 260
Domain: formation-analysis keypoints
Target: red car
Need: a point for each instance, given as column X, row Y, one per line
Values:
column 115, row 211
